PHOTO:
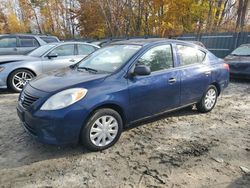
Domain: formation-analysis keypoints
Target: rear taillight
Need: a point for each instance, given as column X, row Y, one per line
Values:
column 226, row 66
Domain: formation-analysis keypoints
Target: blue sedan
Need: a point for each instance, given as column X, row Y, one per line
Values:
column 94, row 100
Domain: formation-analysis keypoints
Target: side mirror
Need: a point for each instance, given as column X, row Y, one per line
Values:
column 52, row 55
column 142, row 70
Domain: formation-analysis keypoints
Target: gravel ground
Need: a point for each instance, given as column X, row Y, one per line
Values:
column 180, row 149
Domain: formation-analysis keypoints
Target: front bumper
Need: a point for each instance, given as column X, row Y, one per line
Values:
column 57, row 127
column 239, row 69
column 240, row 75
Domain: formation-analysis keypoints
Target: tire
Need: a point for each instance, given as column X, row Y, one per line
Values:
column 18, row 78
column 208, row 100
column 94, row 127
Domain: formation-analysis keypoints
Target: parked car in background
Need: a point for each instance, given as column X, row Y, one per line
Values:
column 16, row 70
column 239, row 62
column 13, row 44
column 105, row 42
column 117, row 85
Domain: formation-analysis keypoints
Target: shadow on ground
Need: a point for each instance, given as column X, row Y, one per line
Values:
column 6, row 91
column 243, row 182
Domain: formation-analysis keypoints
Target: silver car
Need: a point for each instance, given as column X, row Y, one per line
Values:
column 21, row 44
column 16, row 70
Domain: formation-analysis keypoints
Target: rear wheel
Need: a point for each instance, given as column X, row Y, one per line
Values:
column 19, row 78
column 208, row 100
column 102, row 130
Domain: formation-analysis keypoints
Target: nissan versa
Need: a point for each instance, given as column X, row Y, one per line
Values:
column 94, row 100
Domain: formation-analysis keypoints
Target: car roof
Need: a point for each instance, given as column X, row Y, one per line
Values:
column 141, row 42
column 23, row 34
column 144, row 42
column 247, row 44
column 197, row 42
column 72, row 42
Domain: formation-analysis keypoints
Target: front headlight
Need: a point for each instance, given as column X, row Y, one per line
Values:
column 64, row 99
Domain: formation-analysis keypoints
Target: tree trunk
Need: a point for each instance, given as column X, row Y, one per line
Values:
column 222, row 14
column 209, row 16
column 217, row 14
column 241, row 14
column 36, row 17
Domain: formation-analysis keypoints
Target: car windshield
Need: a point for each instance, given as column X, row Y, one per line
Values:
column 41, row 50
column 242, row 51
column 109, row 59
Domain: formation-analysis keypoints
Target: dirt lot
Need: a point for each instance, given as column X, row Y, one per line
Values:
column 180, row 149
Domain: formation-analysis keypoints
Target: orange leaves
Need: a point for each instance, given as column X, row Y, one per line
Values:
column 119, row 18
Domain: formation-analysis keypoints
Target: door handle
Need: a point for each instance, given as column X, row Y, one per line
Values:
column 72, row 60
column 15, row 49
column 171, row 80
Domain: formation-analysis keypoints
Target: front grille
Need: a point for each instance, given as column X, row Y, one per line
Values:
column 27, row 100
column 30, row 129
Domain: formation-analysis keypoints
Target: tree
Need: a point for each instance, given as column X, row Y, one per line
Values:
column 241, row 14
column 123, row 18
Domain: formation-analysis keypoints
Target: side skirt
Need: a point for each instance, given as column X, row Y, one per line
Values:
column 159, row 114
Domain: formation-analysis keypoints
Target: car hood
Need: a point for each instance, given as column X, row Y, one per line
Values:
column 59, row 80
column 236, row 59
column 16, row 58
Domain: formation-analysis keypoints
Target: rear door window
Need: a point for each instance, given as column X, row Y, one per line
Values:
column 8, row 42
column 28, row 42
column 85, row 49
column 64, row 50
column 189, row 55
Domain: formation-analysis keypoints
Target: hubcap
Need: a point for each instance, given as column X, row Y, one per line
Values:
column 210, row 98
column 20, row 79
column 104, row 130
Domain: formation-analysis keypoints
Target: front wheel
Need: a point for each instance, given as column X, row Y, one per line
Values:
column 208, row 100
column 19, row 78
column 102, row 130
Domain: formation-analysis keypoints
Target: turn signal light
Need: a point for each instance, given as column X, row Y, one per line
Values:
column 226, row 66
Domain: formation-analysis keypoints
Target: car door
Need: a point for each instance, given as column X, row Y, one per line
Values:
column 60, row 57
column 195, row 73
column 158, row 91
column 26, row 44
column 8, row 45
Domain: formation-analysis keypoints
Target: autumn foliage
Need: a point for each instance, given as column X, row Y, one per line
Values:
column 123, row 18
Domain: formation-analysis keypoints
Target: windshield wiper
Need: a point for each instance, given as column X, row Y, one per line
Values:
column 87, row 69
